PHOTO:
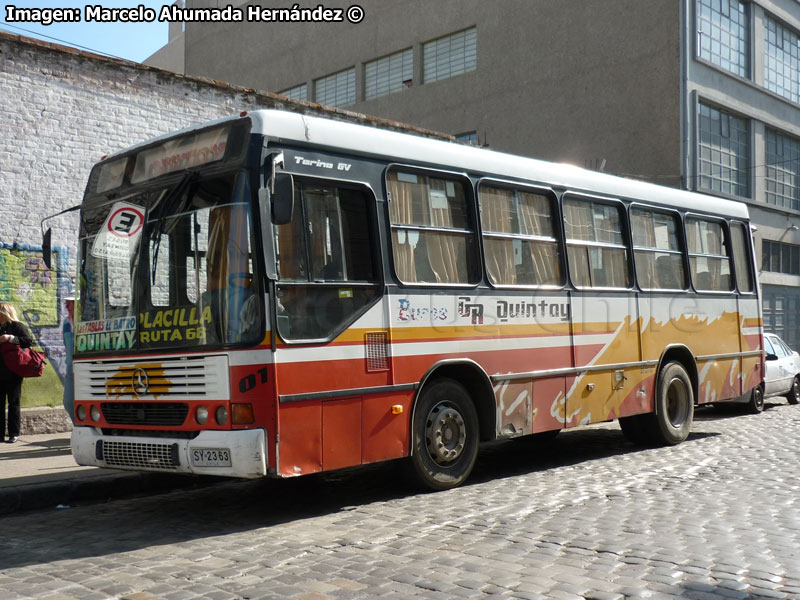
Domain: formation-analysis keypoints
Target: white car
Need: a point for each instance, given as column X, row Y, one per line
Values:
column 782, row 369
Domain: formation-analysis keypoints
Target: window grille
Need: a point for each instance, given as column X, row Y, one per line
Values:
column 450, row 55
column 723, row 34
column 298, row 92
column 724, row 152
column 389, row 74
column 783, row 170
column 338, row 89
column 781, row 60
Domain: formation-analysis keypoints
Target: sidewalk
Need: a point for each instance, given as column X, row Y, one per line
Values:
column 39, row 472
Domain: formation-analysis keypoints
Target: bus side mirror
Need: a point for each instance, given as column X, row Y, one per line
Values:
column 282, row 198
column 47, row 252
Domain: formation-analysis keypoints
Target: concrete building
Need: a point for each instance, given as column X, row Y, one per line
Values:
column 698, row 94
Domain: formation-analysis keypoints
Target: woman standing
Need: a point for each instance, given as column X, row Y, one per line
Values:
column 13, row 332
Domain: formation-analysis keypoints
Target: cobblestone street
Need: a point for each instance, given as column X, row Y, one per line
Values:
column 585, row 516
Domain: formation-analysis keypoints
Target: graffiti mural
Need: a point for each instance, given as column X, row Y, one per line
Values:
column 38, row 295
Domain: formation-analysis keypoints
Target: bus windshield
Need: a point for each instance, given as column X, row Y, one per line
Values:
column 170, row 267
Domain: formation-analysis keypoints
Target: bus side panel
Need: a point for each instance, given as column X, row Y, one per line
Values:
column 605, row 332
column 386, row 424
column 341, row 433
column 751, row 339
column 255, row 385
column 549, row 404
column 716, row 328
column 300, row 444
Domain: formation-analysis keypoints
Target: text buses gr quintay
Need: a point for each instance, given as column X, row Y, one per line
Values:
column 281, row 294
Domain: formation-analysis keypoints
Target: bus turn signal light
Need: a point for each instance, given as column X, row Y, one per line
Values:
column 242, row 414
column 397, row 409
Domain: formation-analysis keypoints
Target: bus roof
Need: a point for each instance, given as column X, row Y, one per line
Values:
column 404, row 147
column 290, row 126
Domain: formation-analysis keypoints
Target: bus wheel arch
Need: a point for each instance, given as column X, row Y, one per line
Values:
column 448, row 420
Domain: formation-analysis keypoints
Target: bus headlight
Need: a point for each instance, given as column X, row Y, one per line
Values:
column 95, row 412
column 201, row 415
column 222, row 415
column 80, row 412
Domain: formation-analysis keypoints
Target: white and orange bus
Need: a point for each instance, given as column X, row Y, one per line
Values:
column 281, row 294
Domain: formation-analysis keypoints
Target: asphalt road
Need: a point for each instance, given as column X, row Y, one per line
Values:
column 586, row 516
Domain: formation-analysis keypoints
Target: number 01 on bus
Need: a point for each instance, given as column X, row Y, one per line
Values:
column 281, row 294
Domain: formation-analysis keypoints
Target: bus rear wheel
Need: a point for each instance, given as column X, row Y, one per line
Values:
column 672, row 421
column 756, row 403
column 445, row 438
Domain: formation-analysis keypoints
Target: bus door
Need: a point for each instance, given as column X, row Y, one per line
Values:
column 332, row 337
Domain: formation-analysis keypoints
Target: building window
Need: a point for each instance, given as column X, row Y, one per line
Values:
column 783, row 170
column 782, row 60
column 450, row 55
column 724, row 152
column 298, row 92
column 723, row 35
column 779, row 257
column 338, row 89
column 389, row 74
column 470, row 137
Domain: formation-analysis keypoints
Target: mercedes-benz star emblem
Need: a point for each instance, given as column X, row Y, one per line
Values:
column 139, row 382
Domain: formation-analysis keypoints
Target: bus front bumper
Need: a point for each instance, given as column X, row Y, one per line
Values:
column 225, row 453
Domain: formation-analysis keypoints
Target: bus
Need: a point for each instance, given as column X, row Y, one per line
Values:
column 279, row 293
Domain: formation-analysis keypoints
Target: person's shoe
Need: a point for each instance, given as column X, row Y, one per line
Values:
column 12, row 439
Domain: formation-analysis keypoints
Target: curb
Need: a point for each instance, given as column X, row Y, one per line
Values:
column 66, row 493
column 44, row 419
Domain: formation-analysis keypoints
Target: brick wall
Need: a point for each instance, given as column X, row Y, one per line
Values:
column 63, row 110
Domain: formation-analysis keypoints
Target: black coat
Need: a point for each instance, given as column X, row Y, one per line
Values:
column 25, row 340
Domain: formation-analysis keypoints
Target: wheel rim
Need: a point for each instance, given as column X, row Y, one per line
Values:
column 796, row 390
column 445, row 433
column 677, row 402
column 759, row 398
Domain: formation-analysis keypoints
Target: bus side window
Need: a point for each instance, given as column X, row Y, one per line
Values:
column 708, row 258
column 657, row 251
column 741, row 257
column 519, row 239
column 598, row 256
column 433, row 238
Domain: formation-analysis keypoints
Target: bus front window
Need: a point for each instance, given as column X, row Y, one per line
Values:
column 189, row 279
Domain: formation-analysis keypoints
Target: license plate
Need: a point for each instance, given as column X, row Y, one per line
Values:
column 211, row 457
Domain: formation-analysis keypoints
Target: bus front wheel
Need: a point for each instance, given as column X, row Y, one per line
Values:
column 672, row 421
column 445, row 439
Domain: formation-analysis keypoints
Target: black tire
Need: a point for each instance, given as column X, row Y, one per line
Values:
column 756, row 403
column 672, row 421
column 634, row 429
column 444, row 444
column 794, row 394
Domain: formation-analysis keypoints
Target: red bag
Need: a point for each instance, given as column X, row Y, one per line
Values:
column 25, row 362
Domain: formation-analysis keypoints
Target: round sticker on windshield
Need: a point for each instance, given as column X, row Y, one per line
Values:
column 125, row 222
